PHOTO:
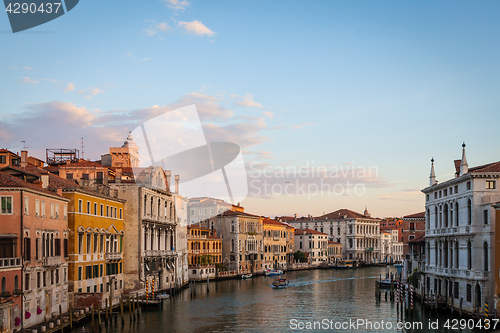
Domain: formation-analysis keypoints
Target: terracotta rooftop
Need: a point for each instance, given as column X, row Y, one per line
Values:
column 418, row 240
column 491, row 167
column 236, row 213
column 415, row 216
column 308, row 231
column 83, row 163
column 4, row 150
column 339, row 214
column 55, row 182
column 11, row 181
column 332, row 242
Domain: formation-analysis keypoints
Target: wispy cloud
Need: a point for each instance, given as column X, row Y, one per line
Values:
column 156, row 28
column 70, row 87
column 145, row 59
column 90, row 92
column 299, row 126
column 177, row 4
column 268, row 114
column 28, row 68
column 196, row 28
column 27, row 80
column 246, row 100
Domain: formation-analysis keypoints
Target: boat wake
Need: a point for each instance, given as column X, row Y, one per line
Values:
column 308, row 283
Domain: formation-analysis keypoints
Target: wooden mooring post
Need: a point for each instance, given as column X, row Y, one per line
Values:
column 61, row 318
column 93, row 321
column 121, row 306
column 106, row 309
column 70, row 317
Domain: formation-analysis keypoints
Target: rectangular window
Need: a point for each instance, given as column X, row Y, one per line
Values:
column 412, row 225
column 26, row 206
column 455, row 289
column 192, row 211
column 65, row 210
column 27, row 249
column 121, row 214
column 469, row 293
column 445, row 192
column 52, row 210
column 65, row 247
column 96, row 270
column 485, row 216
column 69, row 176
column 490, row 184
column 456, row 189
column 79, row 273
column 95, row 243
column 80, row 204
column 100, row 269
column 42, row 205
column 107, row 210
column 38, row 280
column 85, row 176
column 88, row 208
column 468, row 186
column 88, row 272
column 6, row 205
column 57, row 211
column 435, row 195
column 95, row 208
column 115, row 213
column 26, row 282
column 3, row 159
column 101, row 244
column 37, row 207
column 102, row 209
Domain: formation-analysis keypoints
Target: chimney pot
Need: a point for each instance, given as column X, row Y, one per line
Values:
column 177, row 177
column 24, row 158
column 45, row 180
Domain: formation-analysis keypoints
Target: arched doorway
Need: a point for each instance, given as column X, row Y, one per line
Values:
column 478, row 297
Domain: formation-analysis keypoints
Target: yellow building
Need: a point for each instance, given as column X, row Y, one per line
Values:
column 204, row 252
column 95, row 220
column 278, row 238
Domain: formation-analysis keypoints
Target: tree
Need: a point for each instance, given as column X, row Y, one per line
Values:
column 300, row 256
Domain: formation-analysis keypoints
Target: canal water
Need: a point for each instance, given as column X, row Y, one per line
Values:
column 315, row 301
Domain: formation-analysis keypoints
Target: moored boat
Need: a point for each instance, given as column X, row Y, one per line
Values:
column 271, row 272
column 246, row 276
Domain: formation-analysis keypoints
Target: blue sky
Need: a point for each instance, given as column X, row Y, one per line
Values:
column 293, row 82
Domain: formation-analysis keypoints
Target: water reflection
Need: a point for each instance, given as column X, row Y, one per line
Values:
column 253, row 306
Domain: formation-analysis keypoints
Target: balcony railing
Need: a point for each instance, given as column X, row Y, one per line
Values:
column 10, row 262
column 51, row 261
column 452, row 272
column 155, row 218
column 159, row 253
column 114, row 256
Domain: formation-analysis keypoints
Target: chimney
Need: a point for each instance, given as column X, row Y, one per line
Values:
column 106, row 177
column 37, row 183
column 177, row 177
column 118, row 175
column 24, row 158
column 295, row 216
column 457, row 167
column 59, row 192
column 168, row 174
column 68, row 162
column 45, row 180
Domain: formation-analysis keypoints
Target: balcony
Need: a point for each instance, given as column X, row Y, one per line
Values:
column 51, row 261
column 459, row 273
column 113, row 256
column 160, row 219
column 10, row 262
column 159, row 253
column 369, row 249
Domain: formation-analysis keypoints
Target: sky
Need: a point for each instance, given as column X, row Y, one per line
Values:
column 366, row 92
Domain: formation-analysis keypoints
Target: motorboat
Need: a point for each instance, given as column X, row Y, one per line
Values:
column 246, row 276
column 280, row 283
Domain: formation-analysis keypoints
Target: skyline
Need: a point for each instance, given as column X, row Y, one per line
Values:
column 367, row 85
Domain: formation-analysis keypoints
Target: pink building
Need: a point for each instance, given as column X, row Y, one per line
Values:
column 35, row 227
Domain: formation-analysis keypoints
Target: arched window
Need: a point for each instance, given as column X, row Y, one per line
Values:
column 145, row 204
column 457, row 256
column 485, row 257
column 203, row 245
column 427, row 220
column 469, row 212
column 445, row 214
column 338, row 231
column 16, row 283
column 456, row 214
column 232, row 245
column 469, row 255
column 350, row 229
column 436, row 217
column 158, row 212
column 232, row 226
column 151, row 206
column 3, row 285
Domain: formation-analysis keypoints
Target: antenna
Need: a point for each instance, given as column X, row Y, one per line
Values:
column 83, row 157
column 24, row 145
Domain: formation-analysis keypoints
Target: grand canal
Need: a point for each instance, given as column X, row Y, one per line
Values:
column 326, row 296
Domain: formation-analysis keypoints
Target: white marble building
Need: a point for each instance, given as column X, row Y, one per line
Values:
column 459, row 233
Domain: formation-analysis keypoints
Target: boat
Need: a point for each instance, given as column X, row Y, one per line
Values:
column 246, row 276
column 271, row 272
column 347, row 263
column 162, row 296
column 399, row 263
column 280, row 283
column 386, row 283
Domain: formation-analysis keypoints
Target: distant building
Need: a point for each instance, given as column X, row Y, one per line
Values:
column 313, row 243
column 334, row 252
column 393, row 223
column 124, row 157
column 358, row 233
column 391, row 250
column 242, row 240
column 204, row 252
column 497, row 260
column 413, row 228
column 202, row 208
column 277, row 248
column 459, row 236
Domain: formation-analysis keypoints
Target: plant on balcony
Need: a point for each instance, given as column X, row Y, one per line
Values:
column 27, row 315
column 6, row 294
column 252, row 233
column 38, row 310
column 17, row 321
